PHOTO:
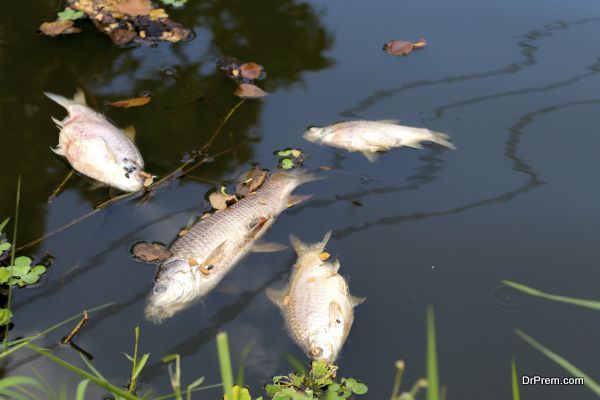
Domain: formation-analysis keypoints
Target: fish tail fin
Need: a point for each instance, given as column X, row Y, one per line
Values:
column 302, row 248
column 78, row 98
column 440, row 138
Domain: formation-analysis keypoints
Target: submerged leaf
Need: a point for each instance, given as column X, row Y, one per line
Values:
column 135, row 102
column 249, row 91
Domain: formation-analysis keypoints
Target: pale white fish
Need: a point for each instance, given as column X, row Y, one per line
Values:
column 316, row 303
column 215, row 244
column 97, row 148
column 373, row 137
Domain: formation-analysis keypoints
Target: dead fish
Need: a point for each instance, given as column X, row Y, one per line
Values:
column 95, row 147
column 372, row 137
column 316, row 304
column 215, row 244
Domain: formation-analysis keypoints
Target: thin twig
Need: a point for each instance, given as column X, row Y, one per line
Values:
column 222, row 124
column 77, row 328
column 60, row 187
column 12, row 259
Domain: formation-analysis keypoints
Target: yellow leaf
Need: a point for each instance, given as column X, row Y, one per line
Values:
column 296, row 153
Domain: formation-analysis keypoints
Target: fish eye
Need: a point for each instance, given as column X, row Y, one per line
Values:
column 160, row 288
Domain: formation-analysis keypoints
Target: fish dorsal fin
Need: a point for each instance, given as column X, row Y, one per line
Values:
column 262, row 246
column 79, row 97
column 59, row 123
column 299, row 246
column 388, row 121
column 215, row 256
column 303, row 248
column 371, row 156
column 357, row 300
column 276, row 295
column 335, row 314
column 334, row 266
column 130, row 132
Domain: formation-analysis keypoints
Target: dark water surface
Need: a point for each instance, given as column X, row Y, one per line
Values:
column 514, row 83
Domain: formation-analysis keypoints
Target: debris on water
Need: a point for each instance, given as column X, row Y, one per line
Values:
column 249, row 91
column 402, row 47
column 124, row 21
column 154, row 252
column 59, row 27
column 292, row 158
column 148, row 178
column 249, row 182
column 135, row 102
column 355, row 202
column 244, row 73
column 220, row 200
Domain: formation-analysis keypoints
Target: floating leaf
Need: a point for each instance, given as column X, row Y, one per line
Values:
column 398, row 47
column 286, row 163
column 38, row 269
column 59, row 27
column 135, row 102
column 150, row 252
column 296, row 153
column 4, row 246
column 251, row 70
column 70, row 14
column 250, row 182
column 220, row 200
column 30, row 278
column 284, row 153
column 22, row 261
column 134, row 7
column 249, row 91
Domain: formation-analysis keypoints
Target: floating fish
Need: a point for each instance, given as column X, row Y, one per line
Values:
column 215, row 244
column 96, row 148
column 372, row 137
column 316, row 304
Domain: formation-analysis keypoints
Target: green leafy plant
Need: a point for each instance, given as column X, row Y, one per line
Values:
column 319, row 383
column 291, row 158
column 70, row 14
column 21, row 273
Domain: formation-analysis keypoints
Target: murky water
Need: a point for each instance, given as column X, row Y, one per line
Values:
column 514, row 83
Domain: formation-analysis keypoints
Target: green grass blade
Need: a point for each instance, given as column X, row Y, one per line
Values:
column 11, row 394
column 3, row 224
column 433, row 388
column 92, row 368
column 225, row 364
column 17, row 381
column 245, row 351
column 595, row 305
column 573, row 370
column 516, row 395
column 84, row 374
column 192, row 386
column 296, row 364
column 140, row 365
column 81, row 388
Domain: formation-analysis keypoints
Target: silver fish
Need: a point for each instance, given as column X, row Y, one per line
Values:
column 316, row 304
column 95, row 147
column 371, row 137
column 215, row 244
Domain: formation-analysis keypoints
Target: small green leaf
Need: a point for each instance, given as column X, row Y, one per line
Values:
column 140, row 365
column 19, row 270
column 30, row 278
column 23, row 261
column 4, row 246
column 70, row 14
column 5, row 316
column 359, row 388
column 13, row 281
column 284, row 153
column 38, row 269
column 286, row 163
column 296, row 153
column 4, row 275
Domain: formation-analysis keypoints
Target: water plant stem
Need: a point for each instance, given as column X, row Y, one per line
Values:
column 60, row 186
column 12, row 259
column 77, row 328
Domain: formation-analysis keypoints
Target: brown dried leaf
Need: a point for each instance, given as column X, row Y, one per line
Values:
column 249, row 91
column 136, row 102
column 220, row 200
column 250, row 181
column 251, row 70
column 158, row 13
column 134, row 7
column 150, row 252
column 398, row 47
column 58, row 27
